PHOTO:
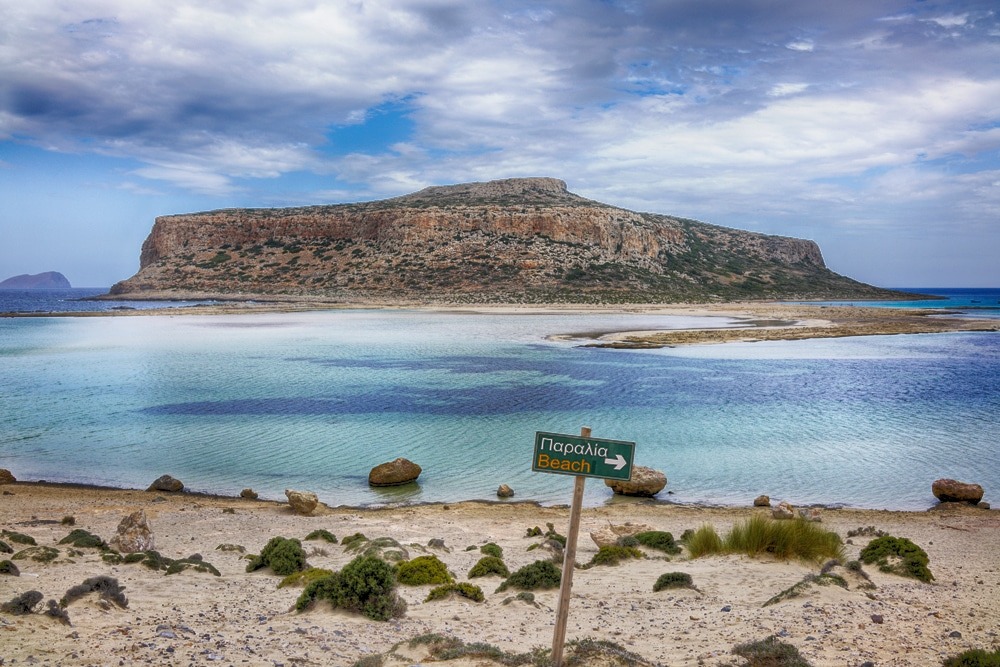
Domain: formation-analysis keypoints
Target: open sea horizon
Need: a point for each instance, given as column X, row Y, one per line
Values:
column 312, row 401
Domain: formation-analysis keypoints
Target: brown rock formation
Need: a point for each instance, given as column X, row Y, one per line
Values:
column 645, row 482
column 394, row 473
column 953, row 491
column 134, row 534
column 512, row 240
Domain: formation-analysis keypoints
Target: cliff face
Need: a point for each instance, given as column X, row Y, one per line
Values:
column 512, row 240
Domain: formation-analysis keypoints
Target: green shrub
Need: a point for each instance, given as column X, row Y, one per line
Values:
column 704, row 542
column 283, row 556
column 366, row 585
column 238, row 548
column 18, row 538
column 194, row 562
column 68, row 520
column 423, row 570
column 83, row 539
column 9, row 568
column 783, row 539
column 541, row 574
column 474, row 593
column 658, row 539
column 673, row 580
column 40, row 554
column 349, row 541
column 305, row 577
column 976, row 657
column 491, row 549
column 488, row 565
column 898, row 555
column 385, row 548
column 322, row 534
column 612, row 555
column 5, row 548
column 770, row 652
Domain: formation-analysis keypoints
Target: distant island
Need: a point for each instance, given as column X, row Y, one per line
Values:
column 47, row 280
column 523, row 240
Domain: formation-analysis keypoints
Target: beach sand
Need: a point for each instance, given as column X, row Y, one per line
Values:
column 242, row 618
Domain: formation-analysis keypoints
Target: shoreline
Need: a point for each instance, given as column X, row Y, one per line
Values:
column 244, row 618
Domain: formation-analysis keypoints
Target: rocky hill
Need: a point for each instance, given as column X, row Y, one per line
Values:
column 47, row 280
column 516, row 240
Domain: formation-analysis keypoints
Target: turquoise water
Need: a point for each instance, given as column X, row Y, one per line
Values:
column 314, row 400
column 963, row 301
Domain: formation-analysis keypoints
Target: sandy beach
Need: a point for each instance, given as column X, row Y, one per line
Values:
column 242, row 618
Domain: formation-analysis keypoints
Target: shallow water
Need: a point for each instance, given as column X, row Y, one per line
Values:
column 314, row 400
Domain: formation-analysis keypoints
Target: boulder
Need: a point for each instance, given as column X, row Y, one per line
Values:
column 134, row 534
column 762, row 501
column 166, row 483
column 249, row 494
column 953, row 491
column 784, row 510
column 811, row 514
column 303, row 502
column 608, row 536
column 6, row 477
column 394, row 473
column 505, row 491
column 645, row 482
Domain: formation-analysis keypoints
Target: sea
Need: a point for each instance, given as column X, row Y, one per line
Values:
column 314, row 400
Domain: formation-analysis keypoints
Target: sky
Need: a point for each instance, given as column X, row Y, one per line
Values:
column 869, row 126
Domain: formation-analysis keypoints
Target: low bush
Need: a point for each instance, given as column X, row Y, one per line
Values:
column 366, row 585
column 976, row 657
column 491, row 549
column 304, row 577
column 9, row 568
column 283, row 556
column 81, row 538
column 660, row 540
column 350, row 540
column 106, row 587
column 322, row 534
column 704, row 542
column 613, row 554
column 542, row 574
column 194, row 562
column 770, row 652
column 39, row 554
column 488, row 565
column 23, row 604
column 18, row 538
column 470, row 591
column 673, row 580
column 5, row 548
column 898, row 555
column 423, row 570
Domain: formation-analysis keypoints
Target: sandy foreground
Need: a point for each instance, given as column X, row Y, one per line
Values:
column 242, row 618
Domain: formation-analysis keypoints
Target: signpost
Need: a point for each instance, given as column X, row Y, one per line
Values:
column 582, row 457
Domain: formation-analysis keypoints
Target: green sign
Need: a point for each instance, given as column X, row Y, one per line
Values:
column 584, row 457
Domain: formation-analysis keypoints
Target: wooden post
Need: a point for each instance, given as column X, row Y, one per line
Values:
column 569, row 563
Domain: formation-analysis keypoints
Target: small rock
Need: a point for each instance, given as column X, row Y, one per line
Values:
column 953, row 491
column 762, row 501
column 394, row 473
column 166, row 483
column 248, row 493
column 303, row 502
column 645, row 482
column 727, row 608
column 505, row 491
column 784, row 510
column 436, row 543
column 955, row 634
column 983, row 505
column 6, row 477
column 877, row 619
column 134, row 534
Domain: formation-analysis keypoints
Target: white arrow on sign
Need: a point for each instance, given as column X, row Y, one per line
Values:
column 618, row 462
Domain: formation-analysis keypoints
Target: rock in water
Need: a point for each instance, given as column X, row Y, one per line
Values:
column 6, row 477
column 303, row 502
column 645, row 482
column 248, row 493
column 953, row 491
column 134, row 534
column 394, row 473
column 166, row 483
column 505, row 491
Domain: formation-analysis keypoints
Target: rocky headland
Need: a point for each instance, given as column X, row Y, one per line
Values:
column 524, row 240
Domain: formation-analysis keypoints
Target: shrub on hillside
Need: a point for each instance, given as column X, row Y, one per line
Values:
column 673, row 580
column 488, row 565
column 541, row 574
column 366, row 585
column 423, row 570
column 658, row 539
column 898, row 555
column 283, row 556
